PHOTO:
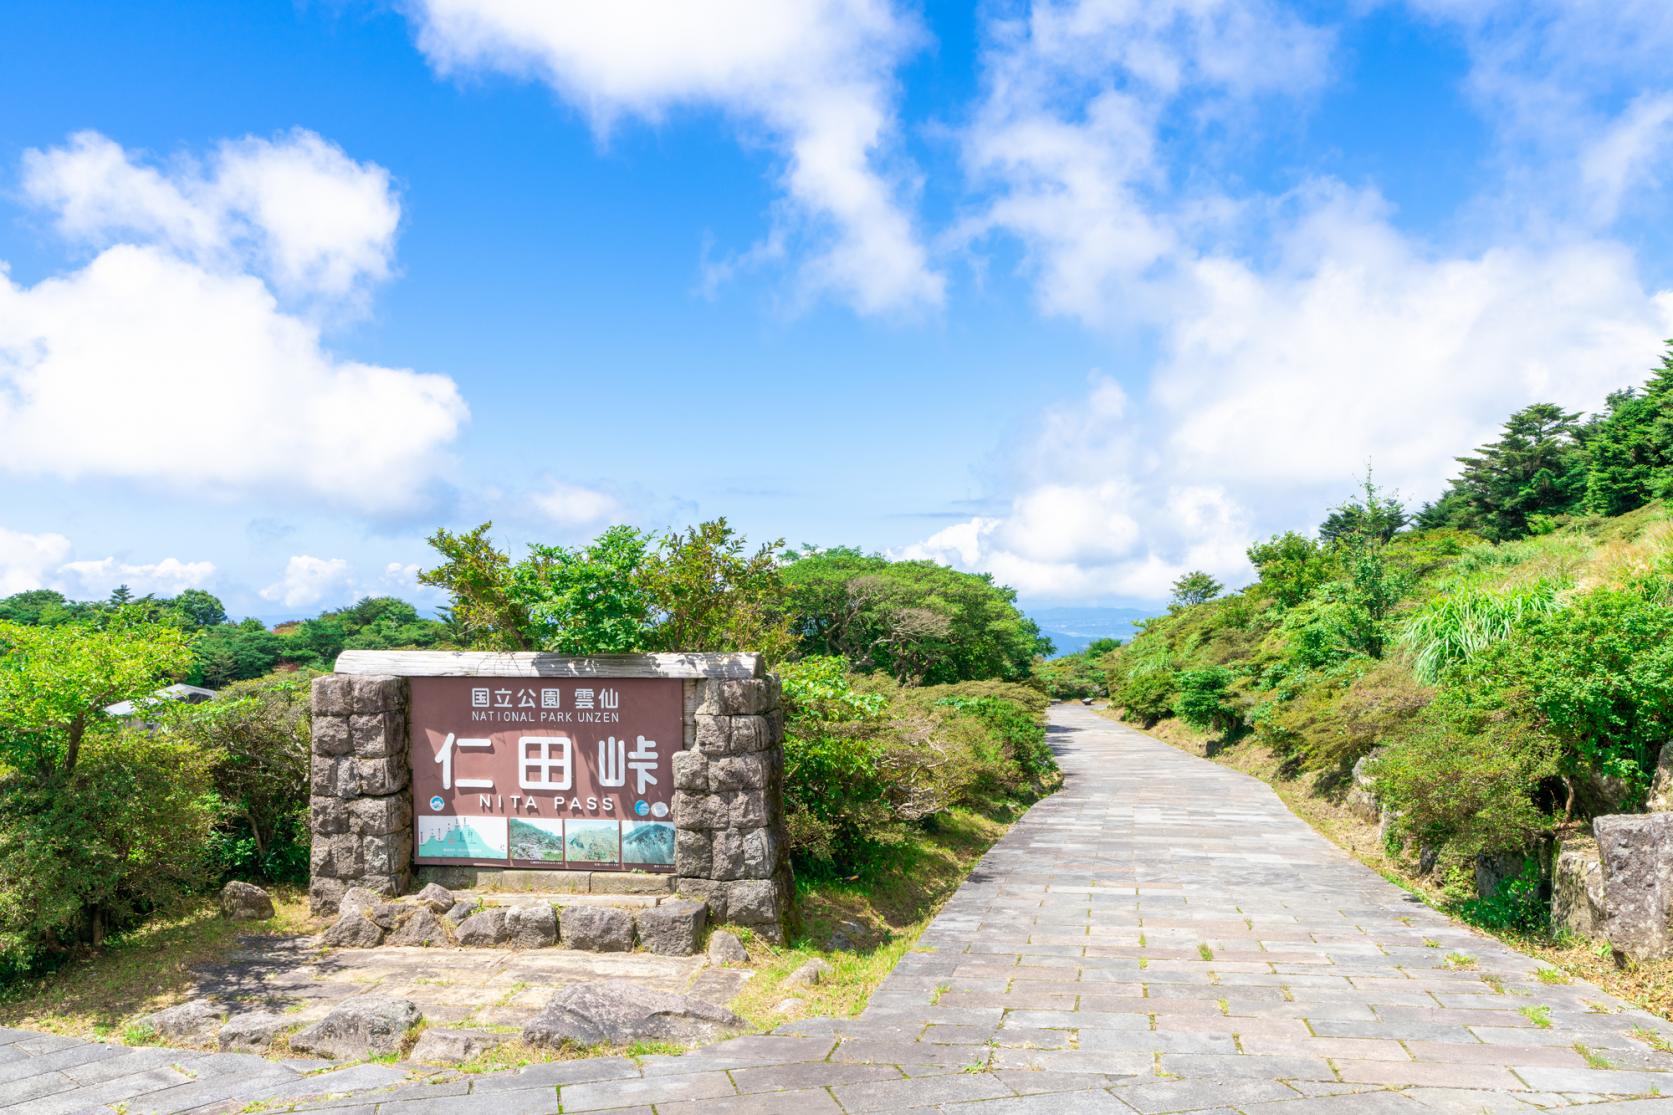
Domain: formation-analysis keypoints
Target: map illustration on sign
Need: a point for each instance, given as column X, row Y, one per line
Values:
column 461, row 837
column 554, row 773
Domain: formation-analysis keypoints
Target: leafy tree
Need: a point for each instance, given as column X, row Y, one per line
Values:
column 486, row 609
column 39, row 607
column 711, row 593
column 1203, row 701
column 1537, row 468
column 1374, row 515
column 232, row 652
column 591, row 600
column 1629, row 449
column 121, row 595
column 199, row 608
column 1195, row 587
column 56, row 681
column 1291, row 566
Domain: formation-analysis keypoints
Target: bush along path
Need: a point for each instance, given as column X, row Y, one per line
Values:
column 1161, row 935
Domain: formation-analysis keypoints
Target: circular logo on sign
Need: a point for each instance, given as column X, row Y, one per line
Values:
column 436, row 803
column 641, row 807
column 660, row 809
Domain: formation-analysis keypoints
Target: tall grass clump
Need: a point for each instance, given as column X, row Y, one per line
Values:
column 1457, row 625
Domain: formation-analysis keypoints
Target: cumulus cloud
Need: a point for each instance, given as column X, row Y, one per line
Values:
column 170, row 358
column 1290, row 339
column 570, row 505
column 815, row 76
column 308, row 580
column 168, row 577
column 28, row 560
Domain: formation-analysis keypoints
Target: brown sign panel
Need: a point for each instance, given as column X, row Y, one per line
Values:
column 545, row 772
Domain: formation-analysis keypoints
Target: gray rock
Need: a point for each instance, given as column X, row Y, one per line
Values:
column 353, row 930
column 808, row 974
column 725, row 948
column 598, row 928
column 438, row 898
column 1493, row 872
column 1637, row 856
column 359, row 899
column 1577, row 899
column 368, row 1026
column 451, row 1047
column 487, row 928
column 421, row 927
column 246, row 902
column 1661, row 786
column 460, row 911
column 672, row 928
column 531, row 927
column 619, row 1013
column 196, row 1022
column 253, row 1032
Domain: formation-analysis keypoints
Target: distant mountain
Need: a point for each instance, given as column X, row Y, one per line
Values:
column 1075, row 629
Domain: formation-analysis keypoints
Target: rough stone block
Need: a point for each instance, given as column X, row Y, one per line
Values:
column 700, row 811
column 1661, row 785
column 438, row 898
column 333, row 695
column 331, row 735
column 672, row 928
column 377, row 734
column 331, row 777
column 763, row 853
column 619, row 1012
column 691, row 771
column 377, row 777
column 531, row 927
column 756, row 902
column 710, row 891
column 1637, row 857
column 713, row 733
column 741, row 772
column 597, row 928
column 1577, row 897
column 727, row 855
column 245, row 902
column 750, row 734
column 693, row 853
column 382, row 855
column 337, row 857
column 484, row 929
column 747, row 809
column 328, row 816
column 444, row 1046
column 324, row 893
column 383, row 816
column 353, row 930
column 195, row 1022
column 628, row 882
column 378, row 693
column 739, row 697
column 421, row 927
column 252, row 1032
column 368, row 1026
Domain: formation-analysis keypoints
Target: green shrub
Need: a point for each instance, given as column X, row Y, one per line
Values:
column 1147, row 696
column 1019, row 731
column 1519, row 903
column 92, row 851
column 1459, row 624
column 1203, row 702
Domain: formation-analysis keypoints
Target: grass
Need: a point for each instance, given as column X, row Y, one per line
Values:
column 1539, row 1016
column 1594, row 1059
column 1648, row 985
column 881, row 914
column 95, row 993
column 1460, row 961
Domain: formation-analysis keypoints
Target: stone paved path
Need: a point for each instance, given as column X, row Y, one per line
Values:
column 1162, row 935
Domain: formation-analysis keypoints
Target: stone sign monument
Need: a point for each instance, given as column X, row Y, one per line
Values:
column 536, row 771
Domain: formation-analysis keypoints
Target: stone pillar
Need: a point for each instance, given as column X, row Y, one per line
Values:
column 361, row 788
column 731, row 846
column 1637, row 856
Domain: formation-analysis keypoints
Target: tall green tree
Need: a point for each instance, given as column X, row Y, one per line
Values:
column 1195, row 587
column 1629, row 448
column 1536, row 468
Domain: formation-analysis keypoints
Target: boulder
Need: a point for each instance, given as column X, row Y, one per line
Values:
column 672, row 928
column 1577, row 899
column 808, row 974
column 353, row 930
column 451, row 1047
column 531, row 927
column 1637, row 857
column 245, row 902
column 1493, row 872
column 1661, row 786
column 252, row 1032
column 619, row 1013
column 367, row 1026
column 196, row 1022
column 725, row 948
column 458, row 912
column 359, row 899
column 1361, row 798
column 598, row 928
column 438, row 898
column 421, row 927
column 483, row 929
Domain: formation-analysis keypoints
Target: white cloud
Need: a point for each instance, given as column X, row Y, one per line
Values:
column 162, row 361
column 570, row 505
column 308, row 580
column 298, row 210
column 27, row 560
column 816, row 75
column 169, row 577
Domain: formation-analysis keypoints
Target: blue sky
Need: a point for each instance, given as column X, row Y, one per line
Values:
column 1083, row 294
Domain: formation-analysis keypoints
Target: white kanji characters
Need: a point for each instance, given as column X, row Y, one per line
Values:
column 642, row 761
column 583, row 698
column 612, row 753
column 444, row 759
column 609, row 698
column 550, row 698
column 543, row 763
column 502, row 698
column 479, row 697
column 525, row 698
